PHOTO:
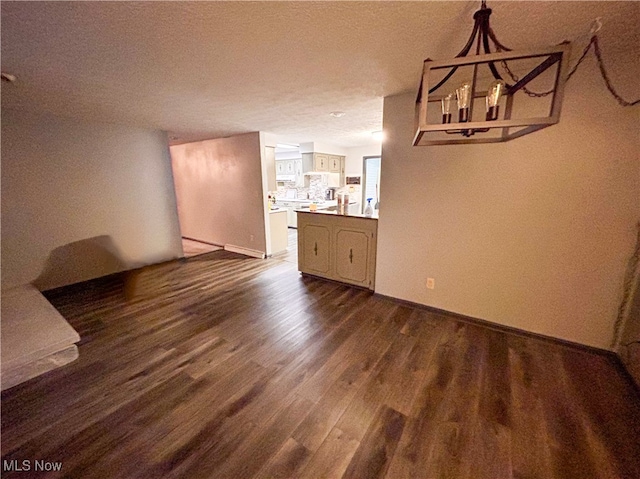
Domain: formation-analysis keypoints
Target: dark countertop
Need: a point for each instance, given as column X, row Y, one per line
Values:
column 335, row 213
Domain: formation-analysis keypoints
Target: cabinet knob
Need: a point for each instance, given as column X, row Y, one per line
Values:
column 350, row 255
column 315, row 248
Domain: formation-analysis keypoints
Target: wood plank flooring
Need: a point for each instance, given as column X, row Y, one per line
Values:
column 223, row 366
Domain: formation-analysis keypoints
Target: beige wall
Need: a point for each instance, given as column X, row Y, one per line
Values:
column 533, row 233
column 354, row 156
column 219, row 187
column 83, row 200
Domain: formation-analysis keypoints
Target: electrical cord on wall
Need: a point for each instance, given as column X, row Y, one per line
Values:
column 595, row 28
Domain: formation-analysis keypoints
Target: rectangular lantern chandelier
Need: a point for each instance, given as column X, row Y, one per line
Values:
column 489, row 109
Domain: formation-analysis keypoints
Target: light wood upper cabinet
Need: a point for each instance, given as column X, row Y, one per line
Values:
column 350, row 242
column 324, row 163
column 286, row 170
column 297, row 166
column 335, row 163
column 289, row 167
column 321, row 162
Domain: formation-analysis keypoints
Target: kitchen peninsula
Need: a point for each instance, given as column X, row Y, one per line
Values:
column 338, row 247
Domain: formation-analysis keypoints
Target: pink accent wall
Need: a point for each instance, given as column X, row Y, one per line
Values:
column 219, row 191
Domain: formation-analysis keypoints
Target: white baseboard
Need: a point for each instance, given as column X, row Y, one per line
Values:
column 245, row 251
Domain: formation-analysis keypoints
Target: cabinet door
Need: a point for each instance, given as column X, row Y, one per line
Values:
column 298, row 172
column 335, row 164
column 321, row 162
column 289, row 167
column 313, row 249
column 352, row 249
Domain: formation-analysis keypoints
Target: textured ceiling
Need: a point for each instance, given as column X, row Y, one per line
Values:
column 211, row 69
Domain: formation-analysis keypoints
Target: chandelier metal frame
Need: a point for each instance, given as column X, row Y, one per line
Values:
column 482, row 35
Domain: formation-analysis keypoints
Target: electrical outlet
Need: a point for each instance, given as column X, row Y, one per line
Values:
column 431, row 283
column 251, row 238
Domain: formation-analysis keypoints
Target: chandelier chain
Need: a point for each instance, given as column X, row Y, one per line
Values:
column 515, row 78
column 596, row 47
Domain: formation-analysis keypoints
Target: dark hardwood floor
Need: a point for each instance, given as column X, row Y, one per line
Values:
column 222, row 366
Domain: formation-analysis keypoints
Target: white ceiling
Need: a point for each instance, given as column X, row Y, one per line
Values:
column 211, row 69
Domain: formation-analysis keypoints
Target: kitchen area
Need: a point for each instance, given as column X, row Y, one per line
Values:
column 328, row 232
column 312, row 181
column 244, row 193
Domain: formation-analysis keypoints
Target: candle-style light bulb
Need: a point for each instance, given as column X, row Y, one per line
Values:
column 494, row 94
column 446, row 108
column 463, row 93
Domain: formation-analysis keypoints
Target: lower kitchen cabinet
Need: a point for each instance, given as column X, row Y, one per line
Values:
column 338, row 247
column 314, row 248
column 352, row 254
